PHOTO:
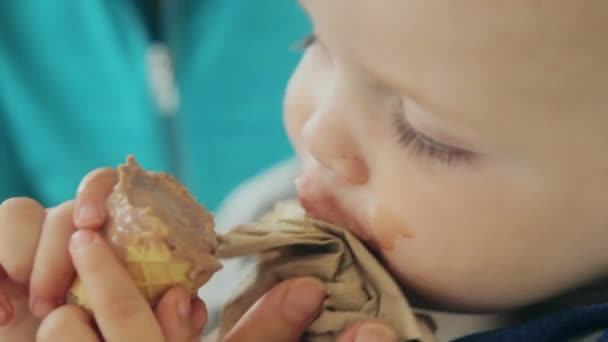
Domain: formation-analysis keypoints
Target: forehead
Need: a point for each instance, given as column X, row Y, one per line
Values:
column 536, row 52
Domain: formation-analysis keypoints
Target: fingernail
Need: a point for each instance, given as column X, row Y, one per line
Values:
column 375, row 333
column 303, row 300
column 42, row 307
column 81, row 239
column 184, row 309
column 87, row 215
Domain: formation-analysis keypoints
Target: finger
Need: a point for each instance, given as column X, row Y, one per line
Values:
column 68, row 323
column 369, row 331
column 6, row 309
column 199, row 316
column 94, row 189
column 20, row 222
column 174, row 313
column 282, row 314
column 53, row 270
column 121, row 311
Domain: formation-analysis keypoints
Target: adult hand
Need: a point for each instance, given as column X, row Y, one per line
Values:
column 284, row 313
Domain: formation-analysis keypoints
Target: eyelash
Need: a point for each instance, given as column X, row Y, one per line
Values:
column 420, row 144
column 407, row 135
column 306, row 42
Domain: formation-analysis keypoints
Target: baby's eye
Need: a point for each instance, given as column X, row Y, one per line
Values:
column 421, row 144
column 305, row 43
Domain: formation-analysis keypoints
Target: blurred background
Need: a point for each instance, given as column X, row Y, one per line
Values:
column 190, row 87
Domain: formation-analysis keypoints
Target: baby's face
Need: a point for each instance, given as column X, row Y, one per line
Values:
column 466, row 142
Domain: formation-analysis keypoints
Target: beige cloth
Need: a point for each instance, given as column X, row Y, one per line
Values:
column 290, row 245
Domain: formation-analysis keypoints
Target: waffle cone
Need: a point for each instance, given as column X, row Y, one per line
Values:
column 158, row 231
column 154, row 270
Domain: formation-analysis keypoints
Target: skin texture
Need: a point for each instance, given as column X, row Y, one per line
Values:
column 464, row 141
column 512, row 97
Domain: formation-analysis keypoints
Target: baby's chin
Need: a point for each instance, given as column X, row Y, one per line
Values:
column 434, row 295
column 491, row 291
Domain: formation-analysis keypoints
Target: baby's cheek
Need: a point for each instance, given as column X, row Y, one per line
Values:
column 386, row 227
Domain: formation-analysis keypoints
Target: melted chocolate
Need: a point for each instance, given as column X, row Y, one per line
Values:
column 150, row 208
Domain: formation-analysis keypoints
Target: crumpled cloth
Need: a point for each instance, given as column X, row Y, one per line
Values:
column 287, row 244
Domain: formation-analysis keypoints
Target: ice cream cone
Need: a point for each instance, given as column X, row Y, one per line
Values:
column 162, row 245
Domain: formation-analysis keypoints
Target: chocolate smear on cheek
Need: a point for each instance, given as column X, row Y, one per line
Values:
column 386, row 227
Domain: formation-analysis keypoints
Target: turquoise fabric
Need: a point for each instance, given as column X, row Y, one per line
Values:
column 74, row 92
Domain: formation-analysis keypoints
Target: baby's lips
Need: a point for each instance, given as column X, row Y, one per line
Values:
column 383, row 226
column 322, row 204
column 317, row 202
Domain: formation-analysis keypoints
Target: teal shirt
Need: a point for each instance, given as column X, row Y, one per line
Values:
column 75, row 92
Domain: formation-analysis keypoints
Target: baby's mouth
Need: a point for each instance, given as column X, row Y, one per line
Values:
column 321, row 203
column 376, row 224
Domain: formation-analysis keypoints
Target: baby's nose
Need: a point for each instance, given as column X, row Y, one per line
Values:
column 330, row 141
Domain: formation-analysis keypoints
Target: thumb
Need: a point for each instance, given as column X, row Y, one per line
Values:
column 282, row 314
